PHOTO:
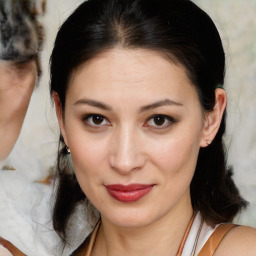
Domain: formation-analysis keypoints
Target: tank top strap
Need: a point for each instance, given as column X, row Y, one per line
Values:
column 93, row 239
column 215, row 239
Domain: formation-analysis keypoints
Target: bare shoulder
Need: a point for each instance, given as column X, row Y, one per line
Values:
column 241, row 240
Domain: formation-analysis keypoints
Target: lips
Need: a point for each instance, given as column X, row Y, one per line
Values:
column 128, row 193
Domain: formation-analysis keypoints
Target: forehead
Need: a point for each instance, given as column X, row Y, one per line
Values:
column 136, row 72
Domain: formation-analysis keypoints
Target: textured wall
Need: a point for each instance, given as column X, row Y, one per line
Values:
column 237, row 25
column 34, row 153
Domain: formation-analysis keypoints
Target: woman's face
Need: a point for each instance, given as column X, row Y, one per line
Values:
column 134, row 125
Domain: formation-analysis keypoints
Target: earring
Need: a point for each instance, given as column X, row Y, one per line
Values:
column 208, row 142
column 69, row 162
column 68, row 150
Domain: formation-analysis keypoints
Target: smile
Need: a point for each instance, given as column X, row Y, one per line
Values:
column 128, row 193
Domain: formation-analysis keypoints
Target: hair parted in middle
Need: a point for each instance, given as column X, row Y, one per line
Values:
column 184, row 34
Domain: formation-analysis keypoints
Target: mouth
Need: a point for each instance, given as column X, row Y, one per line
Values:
column 128, row 193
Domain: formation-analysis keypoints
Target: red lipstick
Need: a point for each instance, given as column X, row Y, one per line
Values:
column 128, row 193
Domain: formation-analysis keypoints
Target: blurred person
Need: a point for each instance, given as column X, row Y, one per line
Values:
column 21, row 37
column 20, row 44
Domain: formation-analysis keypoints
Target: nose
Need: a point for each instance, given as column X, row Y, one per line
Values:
column 127, row 151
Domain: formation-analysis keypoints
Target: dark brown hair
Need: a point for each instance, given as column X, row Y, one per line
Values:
column 185, row 34
column 21, row 33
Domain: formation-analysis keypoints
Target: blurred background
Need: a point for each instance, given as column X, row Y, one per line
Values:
column 35, row 152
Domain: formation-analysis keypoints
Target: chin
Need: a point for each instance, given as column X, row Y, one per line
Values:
column 130, row 219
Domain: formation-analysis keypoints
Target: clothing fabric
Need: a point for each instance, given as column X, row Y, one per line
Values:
column 198, row 236
column 199, row 233
column 26, row 209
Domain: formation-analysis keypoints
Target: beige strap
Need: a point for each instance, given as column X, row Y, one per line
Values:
column 93, row 239
column 184, row 239
column 11, row 248
column 214, row 240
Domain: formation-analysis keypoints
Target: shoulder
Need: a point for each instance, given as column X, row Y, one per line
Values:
column 4, row 251
column 8, row 249
column 240, row 240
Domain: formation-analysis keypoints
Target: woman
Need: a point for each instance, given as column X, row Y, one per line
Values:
column 137, row 86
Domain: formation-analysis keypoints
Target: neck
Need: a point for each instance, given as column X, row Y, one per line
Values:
column 162, row 237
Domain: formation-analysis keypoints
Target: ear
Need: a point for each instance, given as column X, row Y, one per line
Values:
column 59, row 114
column 213, row 118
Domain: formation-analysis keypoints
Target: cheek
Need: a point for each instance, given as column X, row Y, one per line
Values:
column 87, row 163
column 88, row 156
column 175, row 152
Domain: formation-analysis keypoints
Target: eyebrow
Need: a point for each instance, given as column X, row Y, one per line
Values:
column 161, row 103
column 93, row 103
column 101, row 105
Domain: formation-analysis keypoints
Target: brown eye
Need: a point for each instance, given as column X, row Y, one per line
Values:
column 159, row 120
column 97, row 119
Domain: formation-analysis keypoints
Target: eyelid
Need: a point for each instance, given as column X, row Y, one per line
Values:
column 170, row 119
column 86, row 117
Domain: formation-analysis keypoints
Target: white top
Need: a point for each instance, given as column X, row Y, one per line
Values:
column 25, row 217
column 198, row 235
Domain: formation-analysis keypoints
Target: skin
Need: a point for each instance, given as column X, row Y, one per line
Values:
column 128, row 146
column 16, row 87
column 240, row 241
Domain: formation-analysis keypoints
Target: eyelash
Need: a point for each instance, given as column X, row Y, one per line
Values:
column 86, row 119
column 168, row 120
